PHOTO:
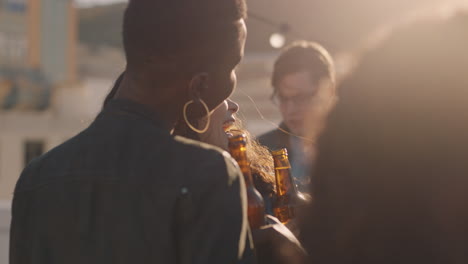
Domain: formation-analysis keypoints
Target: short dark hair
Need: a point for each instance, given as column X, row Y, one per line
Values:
column 178, row 36
column 303, row 56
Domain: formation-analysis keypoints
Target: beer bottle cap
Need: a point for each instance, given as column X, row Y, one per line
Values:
column 279, row 152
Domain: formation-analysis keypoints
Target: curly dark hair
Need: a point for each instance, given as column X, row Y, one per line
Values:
column 261, row 161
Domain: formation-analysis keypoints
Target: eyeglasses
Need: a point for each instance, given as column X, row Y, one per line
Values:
column 298, row 100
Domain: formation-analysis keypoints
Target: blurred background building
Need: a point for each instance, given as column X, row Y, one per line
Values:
column 38, row 41
column 38, row 88
column 59, row 58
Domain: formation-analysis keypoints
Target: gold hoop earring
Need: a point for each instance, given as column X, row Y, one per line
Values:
column 199, row 131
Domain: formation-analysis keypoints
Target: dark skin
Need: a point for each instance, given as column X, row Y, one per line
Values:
column 167, row 104
column 212, row 86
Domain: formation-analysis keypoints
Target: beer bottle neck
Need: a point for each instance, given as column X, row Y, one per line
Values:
column 284, row 181
column 240, row 155
column 245, row 168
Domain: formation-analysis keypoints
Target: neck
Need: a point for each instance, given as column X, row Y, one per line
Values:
column 164, row 101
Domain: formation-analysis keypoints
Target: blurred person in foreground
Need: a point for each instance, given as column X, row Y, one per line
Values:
column 392, row 171
column 125, row 190
column 303, row 83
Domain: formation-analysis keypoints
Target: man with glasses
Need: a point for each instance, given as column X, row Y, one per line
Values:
column 304, row 90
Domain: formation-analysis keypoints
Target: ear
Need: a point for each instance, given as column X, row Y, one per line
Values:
column 198, row 86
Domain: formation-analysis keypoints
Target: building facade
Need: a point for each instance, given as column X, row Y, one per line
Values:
column 39, row 35
column 37, row 67
column 37, row 74
column 37, row 58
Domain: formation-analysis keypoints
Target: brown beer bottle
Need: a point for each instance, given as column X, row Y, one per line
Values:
column 287, row 195
column 255, row 204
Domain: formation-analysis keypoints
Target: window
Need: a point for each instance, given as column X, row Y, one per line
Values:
column 17, row 49
column 32, row 149
column 13, row 48
column 15, row 5
column 3, row 44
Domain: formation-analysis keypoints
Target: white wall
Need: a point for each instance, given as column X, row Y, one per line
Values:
column 11, row 158
column 73, row 109
column 4, row 231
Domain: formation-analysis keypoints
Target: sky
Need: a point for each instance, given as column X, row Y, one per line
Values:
column 83, row 3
